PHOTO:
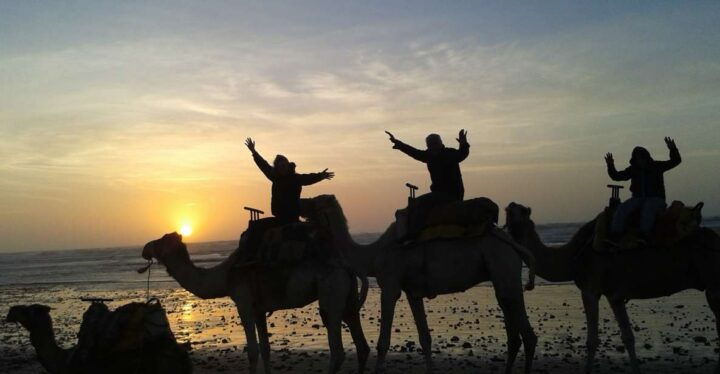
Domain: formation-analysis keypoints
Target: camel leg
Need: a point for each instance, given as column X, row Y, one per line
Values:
column 591, row 306
column 513, row 320
column 332, row 297
column 714, row 302
column 333, row 325
column 248, row 321
column 261, row 324
column 352, row 320
column 628, row 337
column 417, row 306
column 505, row 274
column 388, row 298
column 529, row 340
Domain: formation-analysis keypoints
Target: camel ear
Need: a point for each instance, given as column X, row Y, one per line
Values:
column 699, row 206
column 528, row 211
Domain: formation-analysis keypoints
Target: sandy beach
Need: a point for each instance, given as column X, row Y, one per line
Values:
column 674, row 335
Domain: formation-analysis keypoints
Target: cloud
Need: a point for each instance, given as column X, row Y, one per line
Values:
column 168, row 109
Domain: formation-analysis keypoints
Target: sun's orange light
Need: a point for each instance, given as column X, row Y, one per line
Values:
column 186, row 230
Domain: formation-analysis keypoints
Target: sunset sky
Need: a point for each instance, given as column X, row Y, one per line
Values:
column 121, row 121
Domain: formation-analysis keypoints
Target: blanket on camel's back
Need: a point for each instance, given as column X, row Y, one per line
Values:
column 292, row 243
column 456, row 219
column 675, row 224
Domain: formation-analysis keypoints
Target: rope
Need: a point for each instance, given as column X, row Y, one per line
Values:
column 147, row 290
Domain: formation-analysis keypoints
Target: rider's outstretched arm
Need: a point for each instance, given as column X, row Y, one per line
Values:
column 411, row 151
column 408, row 150
column 614, row 174
column 259, row 160
column 312, row 178
column 464, row 149
column 675, row 158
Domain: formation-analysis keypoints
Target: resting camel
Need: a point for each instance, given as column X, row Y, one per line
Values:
column 443, row 267
column 622, row 276
column 258, row 292
column 57, row 360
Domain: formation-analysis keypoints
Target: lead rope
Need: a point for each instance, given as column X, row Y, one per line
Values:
column 147, row 290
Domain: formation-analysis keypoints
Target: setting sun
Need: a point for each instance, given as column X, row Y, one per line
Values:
column 186, row 230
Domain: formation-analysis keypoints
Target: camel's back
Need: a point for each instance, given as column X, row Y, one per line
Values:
column 451, row 265
column 646, row 273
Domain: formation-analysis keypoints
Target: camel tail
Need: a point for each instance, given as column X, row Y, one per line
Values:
column 363, row 291
column 527, row 257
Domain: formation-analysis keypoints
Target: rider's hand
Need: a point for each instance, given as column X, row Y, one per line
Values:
column 462, row 137
column 670, row 142
column 609, row 159
column 250, row 144
column 392, row 139
column 327, row 174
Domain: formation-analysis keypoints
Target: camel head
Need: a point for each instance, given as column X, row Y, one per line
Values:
column 31, row 317
column 324, row 211
column 517, row 217
column 161, row 249
column 689, row 218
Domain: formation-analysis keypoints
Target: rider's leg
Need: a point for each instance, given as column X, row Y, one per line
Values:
column 622, row 214
column 652, row 206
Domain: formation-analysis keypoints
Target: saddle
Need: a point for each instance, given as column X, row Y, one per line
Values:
column 456, row 219
column 673, row 225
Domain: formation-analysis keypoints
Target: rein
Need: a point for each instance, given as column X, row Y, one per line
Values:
column 147, row 269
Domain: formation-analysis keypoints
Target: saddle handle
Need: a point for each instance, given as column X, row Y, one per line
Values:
column 254, row 213
column 412, row 188
column 615, row 194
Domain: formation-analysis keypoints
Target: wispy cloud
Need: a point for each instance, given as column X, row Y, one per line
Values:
column 167, row 109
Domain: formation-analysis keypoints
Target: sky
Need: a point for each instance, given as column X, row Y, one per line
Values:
column 121, row 121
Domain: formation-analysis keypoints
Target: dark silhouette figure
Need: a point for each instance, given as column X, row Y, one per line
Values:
column 286, row 189
column 647, row 186
column 444, row 166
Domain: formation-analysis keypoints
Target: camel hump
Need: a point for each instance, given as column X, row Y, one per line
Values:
column 121, row 333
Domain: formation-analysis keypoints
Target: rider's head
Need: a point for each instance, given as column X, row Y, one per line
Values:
column 282, row 166
column 434, row 142
column 640, row 157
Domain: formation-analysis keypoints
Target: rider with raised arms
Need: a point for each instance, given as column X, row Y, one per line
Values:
column 286, row 189
column 647, row 186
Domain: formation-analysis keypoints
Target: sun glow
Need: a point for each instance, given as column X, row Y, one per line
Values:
column 185, row 230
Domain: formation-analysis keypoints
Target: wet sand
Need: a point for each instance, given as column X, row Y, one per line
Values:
column 674, row 335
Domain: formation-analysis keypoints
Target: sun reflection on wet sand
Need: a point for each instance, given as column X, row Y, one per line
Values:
column 467, row 331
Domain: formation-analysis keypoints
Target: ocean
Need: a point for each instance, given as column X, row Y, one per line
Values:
column 115, row 268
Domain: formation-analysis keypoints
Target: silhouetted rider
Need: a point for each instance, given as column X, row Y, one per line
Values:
column 444, row 166
column 647, row 186
column 286, row 190
column 443, row 163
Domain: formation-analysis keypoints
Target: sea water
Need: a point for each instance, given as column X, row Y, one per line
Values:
column 111, row 268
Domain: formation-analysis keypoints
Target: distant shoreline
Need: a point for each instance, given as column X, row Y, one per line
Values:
column 714, row 219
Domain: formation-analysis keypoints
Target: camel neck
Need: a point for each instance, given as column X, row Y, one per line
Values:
column 554, row 264
column 362, row 256
column 51, row 356
column 204, row 283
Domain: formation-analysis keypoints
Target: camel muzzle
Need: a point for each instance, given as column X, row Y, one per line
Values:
column 13, row 315
column 147, row 254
